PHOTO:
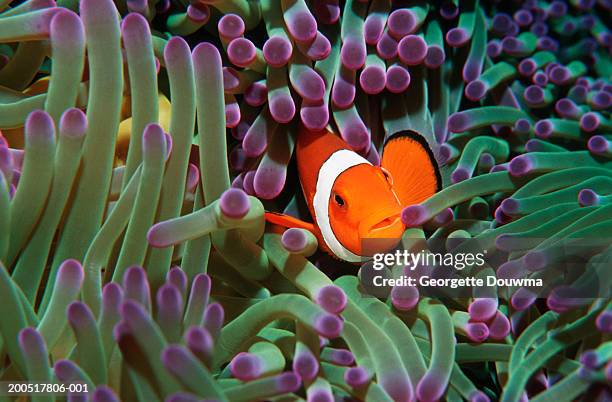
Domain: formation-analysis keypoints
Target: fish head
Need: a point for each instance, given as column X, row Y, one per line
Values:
column 363, row 206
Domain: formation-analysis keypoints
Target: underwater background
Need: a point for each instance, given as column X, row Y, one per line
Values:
column 120, row 115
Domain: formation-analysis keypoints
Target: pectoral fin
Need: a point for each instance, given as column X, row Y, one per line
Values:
column 287, row 221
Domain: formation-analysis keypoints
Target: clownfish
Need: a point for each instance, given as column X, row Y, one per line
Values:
column 351, row 200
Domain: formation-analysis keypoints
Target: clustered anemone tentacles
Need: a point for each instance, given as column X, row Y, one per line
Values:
column 143, row 140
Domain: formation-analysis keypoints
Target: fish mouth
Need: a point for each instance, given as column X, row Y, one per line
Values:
column 385, row 226
column 382, row 235
column 385, row 223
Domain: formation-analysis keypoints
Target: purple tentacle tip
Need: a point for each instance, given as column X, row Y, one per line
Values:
column 231, row 26
column 540, row 78
column 565, row 107
column 282, row 108
column 329, row 326
column 247, row 184
column 475, row 90
column 387, row 46
column 30, row 341
column 557, row 9
column 588, row 197
column 443, row 217
column 435, row 56
column 112, row 294
column 431, row 387
column 449, row 10
column 294, row 240
column 458, row 122
column 482, row 309
column 331, row 298
column 73, row 123
column 523, row 17
column 312, row 86
column 65, row 370
column 520, row 165
column 460, row 174
column 522, row 299
column 412, row 50
column 590, row 122
column 134, row 276
column 234, row 203
column 177, row 277
column 401, row 22
column 373, row 29
column 357, row 376
column 479, row 396
column 457, row 37
column 535, row 260
column 602, row 100
column 343, row 357
column 173, row 357
column 445, row 152
column 318, row 49
column 559, row 75
column 79, row 314
column 169, row 299
column 199, row 341
column 303, row 27
column 404, row 298
column 246, row 366
column 548, row 43
column 522, row 126
column 477, row 331
column 373, row 80
column 277, row 51
column 287, row 382
column 70, row 273
column 604, row 321
column 539, row 28
column 306, row 366
column 589, row 359
column 353, row 54
column 414, row 215
column 494, row 48
column 501, row 23
column 256, row 94
column 510, row 206
column 534, row 94
column 327, row 11
column 241, row 52
column 356, row 135
column 320, row 395
column 232, row 115
column 199, row 13
column 104, row 394
column 398, row 79
column 499, row 326
column 527, row 67
column 39, row 125
column 598, row 144
column 314, row 116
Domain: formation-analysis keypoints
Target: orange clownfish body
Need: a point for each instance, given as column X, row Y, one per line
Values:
column 351, row 200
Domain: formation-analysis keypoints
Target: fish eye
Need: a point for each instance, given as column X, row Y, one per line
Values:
column 387, row 175
column 339, row 200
